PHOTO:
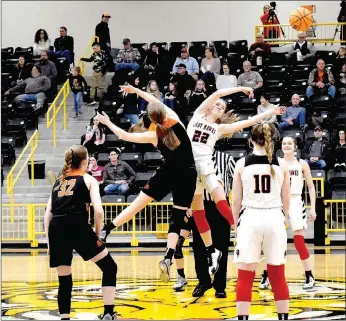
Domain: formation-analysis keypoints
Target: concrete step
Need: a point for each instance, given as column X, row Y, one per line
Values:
column 26, row 198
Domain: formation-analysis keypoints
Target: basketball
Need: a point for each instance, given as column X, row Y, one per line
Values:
column 301, row 19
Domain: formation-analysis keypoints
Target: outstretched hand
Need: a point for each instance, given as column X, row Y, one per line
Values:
column 249, row 92
column 278, row 110
column 128, row 89
column 103, row 118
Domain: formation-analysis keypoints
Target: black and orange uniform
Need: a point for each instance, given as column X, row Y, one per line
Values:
column 69, row 228
column 178, row 173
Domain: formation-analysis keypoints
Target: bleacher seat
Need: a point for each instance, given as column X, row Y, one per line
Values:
column 16, row 128
column 275, row 86
column 162, row 45
column 298, row 86
column 197, row 50
column 142, row 179
column 103, row 159
column 239, row 46
column 300, row 72
column 7, row 112
column 6, row 79
column 131, row 198
column 236, row 153
column 340, row 104
column 175, row 49
column 239, row 140
column 236, row 59
column 109, row 199
column 168, row 198
column 340, row 119
column 336, row 180
column 276, row 72
column 7, row 150
column 321, row 102
column 25, row 110
column 275, row 99
column 123, row 122
column 221, row 47
column 113, row 141
column 27, row 52
column 275, row 58
column 133, row 159
column 310, row 134
column 329, row 57
column 6, row 53
column 62, row 66
column 142, row 48
column 280, row 153
column 259, row 69
column 318, row 173
column 152, row 160
column 296, row 133
column 246, row 105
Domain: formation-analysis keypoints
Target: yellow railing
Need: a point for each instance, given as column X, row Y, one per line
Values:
column 12, row 178
column 322, row 33
column 319, row 190
column 60, row 100
column 335, row 216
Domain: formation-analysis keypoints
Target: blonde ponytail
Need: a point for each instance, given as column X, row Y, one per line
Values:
column 168, row 137
column 269, row 146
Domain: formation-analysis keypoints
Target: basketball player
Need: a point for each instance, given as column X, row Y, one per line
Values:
column 177, row 174
column 261, row 188
column 67, row 229
column 208, row 124
column 298, row 170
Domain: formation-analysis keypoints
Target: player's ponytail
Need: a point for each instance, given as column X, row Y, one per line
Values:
column 269, row 146
column 157, row 114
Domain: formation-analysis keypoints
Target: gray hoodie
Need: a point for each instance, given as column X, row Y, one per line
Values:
column 48, row 69
column 33, row 85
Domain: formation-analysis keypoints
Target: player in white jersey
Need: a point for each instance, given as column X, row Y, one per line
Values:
column 298, row 169
column 261, row 196
column 208, row 124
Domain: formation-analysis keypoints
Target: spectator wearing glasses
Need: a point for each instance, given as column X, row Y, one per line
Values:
column 41, row 42
column 294, row 116
column 301, row 50
column 191, row 64
column 117, row 175
column 64, row 45
column 321, row 80
column 128, row 58
column 259, row 50
column 316, row 150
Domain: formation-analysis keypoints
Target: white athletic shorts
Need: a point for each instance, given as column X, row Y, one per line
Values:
column 297, row 213
column 261, row 229
column 206, row 177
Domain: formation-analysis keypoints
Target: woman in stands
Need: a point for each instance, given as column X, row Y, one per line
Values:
column 41, row 42
column 152, row 89
column 208, row 124
column 177, row 174
column 298, row 170
column 67, row 229
column 261, row 189
column 95, row 136
column 21, row 72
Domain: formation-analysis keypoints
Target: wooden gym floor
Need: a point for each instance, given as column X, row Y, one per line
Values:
column 29, row 288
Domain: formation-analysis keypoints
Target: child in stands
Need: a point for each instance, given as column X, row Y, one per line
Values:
column 78, row 84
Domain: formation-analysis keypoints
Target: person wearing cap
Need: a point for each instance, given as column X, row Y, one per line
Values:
column 191, row 64
column 128, row 58
column 117, row 175
column 316, row 150
column 102, row 31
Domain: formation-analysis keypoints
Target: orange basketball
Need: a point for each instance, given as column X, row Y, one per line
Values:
column 301, row 19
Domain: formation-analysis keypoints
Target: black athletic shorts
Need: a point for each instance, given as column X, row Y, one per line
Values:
column 181, row 182
column 65, row 234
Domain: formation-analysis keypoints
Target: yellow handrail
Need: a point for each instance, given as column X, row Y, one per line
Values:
column 53, row 110
column 317, row 33
column 10, row 181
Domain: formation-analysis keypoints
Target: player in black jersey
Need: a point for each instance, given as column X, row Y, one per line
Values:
column 177, row 174
column 67, row 229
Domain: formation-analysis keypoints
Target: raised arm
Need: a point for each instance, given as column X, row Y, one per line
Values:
column 210, row 101
column 228, row 129
column 311, row 187
column 149, row 137
column 146, row 96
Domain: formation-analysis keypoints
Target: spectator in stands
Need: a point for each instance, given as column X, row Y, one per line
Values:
column 41, row 42
column 339, row 152
column 131, row 103
column 340, row 58
column 316, row 150
column 95, row 170
column 99, row 72
column 251, row 79
column 260, row 50
column 294, row 116
column 95, row 136
column 171, row 95
column 48, row 68
column 64, row 45
column 269, row 19
column 77, row 84
column 301, row 50
column 102, row 31
column 226, row 80
column 21, row 72
column 153, row 58
column 342, row 18
column 341, row 80
column 210, row 66
column 198, row 95
column 117, row 175
column 128, row 58
column 153, row 89
column 321, row 80
column 265, row 106
column 185, row 84
column 34, row 88
column 191, row 64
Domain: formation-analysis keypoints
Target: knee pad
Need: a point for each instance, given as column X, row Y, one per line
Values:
column 178, row 254
column 300, row 245
column 176, row 220
column 276, row 275
column 244, row 285
column 64, row 294
column 201, row 221
column 109, row 269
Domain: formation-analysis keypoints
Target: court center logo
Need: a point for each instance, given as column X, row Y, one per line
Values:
column 151, row 299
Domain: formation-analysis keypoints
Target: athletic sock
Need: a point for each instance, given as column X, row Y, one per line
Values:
column 224, row 209
column 283, row 316
column 308, row 273
column 169, row 254
column 65, row 318
column 265, row 273
column 109, row 309
column 243, row 317
column 181, row 273
column 210, row 249
column 64, row 294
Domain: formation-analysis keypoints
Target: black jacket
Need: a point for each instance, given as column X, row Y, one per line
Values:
column 324, row 149
column 64, row 43
column 184, row 82
column 21, row 73
column 102, row 31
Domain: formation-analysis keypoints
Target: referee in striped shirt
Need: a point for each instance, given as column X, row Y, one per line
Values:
column 220, row 231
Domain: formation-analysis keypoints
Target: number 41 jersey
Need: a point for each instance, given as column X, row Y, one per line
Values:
column 260, row 189
column 203, row 135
